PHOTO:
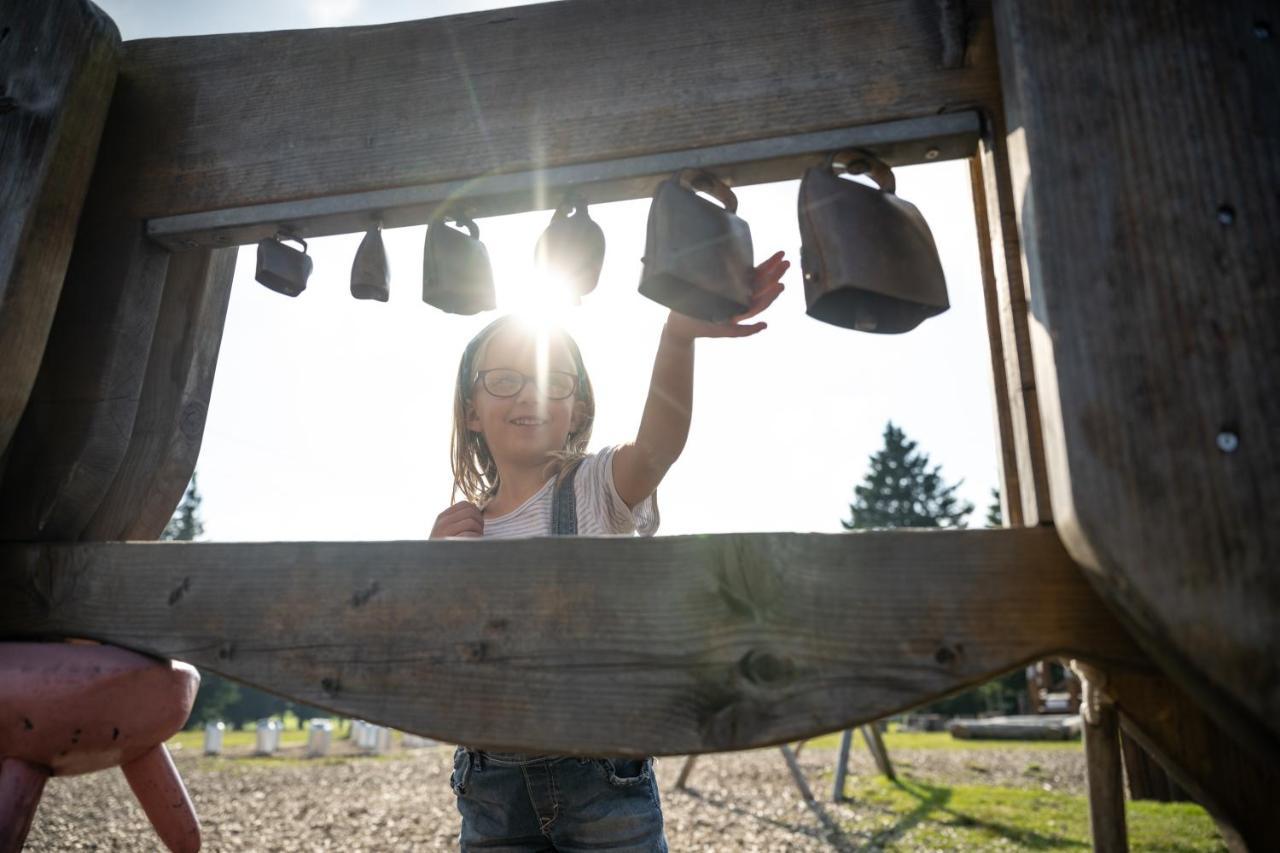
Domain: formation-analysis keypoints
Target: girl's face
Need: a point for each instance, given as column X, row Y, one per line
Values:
column 524, row 428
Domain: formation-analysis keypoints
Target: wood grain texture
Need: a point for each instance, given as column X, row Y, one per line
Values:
column 1150, row 203
column 671, row 645
column 58, row 62
column 76, row 427
column 1104, row 771
column 1235, row 784
column 174, row 401
column 1009, row 319
column 251, row 118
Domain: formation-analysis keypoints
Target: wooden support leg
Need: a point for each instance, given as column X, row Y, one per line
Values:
column 875, row 743
column 1236, row 785
column 683, row 779
column 1105, row 776
column 158, row 787
column 794, row 767
column 842, row 767
column 21, row 784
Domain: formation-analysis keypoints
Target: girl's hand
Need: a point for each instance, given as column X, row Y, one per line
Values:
column 462, row 519
column 764, row 289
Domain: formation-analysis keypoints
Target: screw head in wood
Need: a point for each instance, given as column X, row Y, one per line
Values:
column 931, row 154
column 1261, row 30
column 1226, row 215
column 1228, row 441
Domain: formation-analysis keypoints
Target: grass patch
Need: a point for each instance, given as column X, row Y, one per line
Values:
column 913, row 815
column 943, row 740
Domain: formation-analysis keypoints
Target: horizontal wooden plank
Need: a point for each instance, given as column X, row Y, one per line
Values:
column 234, row 121
column 928, row 139
column 59, row 62
column 1150, row 218
column 584, row 646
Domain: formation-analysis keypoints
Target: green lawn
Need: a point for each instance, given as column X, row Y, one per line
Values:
column 913, row 815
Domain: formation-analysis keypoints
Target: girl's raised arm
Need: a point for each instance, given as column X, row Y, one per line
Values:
column 639, row 467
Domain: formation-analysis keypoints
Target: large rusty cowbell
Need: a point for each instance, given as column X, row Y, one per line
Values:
column 868, row 257
column 698, row 255
column 456, row 274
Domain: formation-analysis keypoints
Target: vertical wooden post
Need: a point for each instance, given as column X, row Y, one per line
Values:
column 1104, row 770
column 1025, row 495
column 842, row 767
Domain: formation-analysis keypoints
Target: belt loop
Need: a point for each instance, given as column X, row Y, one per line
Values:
column 477, row 759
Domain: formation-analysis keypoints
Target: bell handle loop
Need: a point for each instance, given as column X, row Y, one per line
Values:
column 466, row 223
column 283, row 234
column 700, row 180
column 571, row 202
column 855, row 161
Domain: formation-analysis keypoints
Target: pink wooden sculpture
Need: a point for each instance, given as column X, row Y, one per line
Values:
column 69, row 708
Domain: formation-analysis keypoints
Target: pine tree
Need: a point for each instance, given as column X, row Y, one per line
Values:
column 901, row 490
column 186, row 525
column 995, row 516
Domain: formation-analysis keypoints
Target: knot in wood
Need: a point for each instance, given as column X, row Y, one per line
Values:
column 765, row 669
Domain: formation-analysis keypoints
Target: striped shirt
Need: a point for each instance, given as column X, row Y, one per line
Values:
column 601, row 511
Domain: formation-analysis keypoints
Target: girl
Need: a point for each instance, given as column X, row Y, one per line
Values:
column 523, row 411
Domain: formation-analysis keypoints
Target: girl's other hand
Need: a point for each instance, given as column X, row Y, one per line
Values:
column 764, row 289
column 462, row 519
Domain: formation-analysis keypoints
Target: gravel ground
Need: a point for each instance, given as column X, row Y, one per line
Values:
column 738, row 801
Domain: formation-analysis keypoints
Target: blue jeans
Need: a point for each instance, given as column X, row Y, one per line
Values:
column 512, row 802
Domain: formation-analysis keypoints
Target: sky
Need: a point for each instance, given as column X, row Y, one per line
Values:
column 330, row 417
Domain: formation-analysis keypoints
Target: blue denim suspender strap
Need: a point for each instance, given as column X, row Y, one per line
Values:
column 564, row 505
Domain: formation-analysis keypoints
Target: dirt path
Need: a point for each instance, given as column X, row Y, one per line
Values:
column 738, row 801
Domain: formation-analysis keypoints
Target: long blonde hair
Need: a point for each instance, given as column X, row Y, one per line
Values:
column 475, row 473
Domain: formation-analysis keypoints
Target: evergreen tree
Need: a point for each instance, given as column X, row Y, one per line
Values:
column 185, row 525
column 995, row 516
column 901, row 490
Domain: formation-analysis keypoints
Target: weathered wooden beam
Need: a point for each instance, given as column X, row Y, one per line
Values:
column 1149, row 217
column 237, row 121
column 1008, row 321
column 76, row 427
column 174, row 400
column 58, row 64
column 670, row 645
column 935, row 138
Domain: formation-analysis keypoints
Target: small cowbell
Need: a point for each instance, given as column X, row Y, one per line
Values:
column 370, row 274
column 283, row 268
column 456, row 276
column 698, row 255
column 868, row 257
column 572, row 248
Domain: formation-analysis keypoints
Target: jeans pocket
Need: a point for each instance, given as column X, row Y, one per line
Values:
column 461, row 774
column 626, row 772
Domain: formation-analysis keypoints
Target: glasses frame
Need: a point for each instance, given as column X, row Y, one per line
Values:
column 525, row 379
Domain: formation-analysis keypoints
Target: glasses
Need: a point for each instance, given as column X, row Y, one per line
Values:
column 504, row 382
